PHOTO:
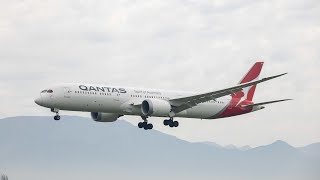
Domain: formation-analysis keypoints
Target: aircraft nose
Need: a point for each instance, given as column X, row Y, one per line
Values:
column 38, row 101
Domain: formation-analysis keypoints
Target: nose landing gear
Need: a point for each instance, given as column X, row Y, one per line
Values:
column 56, row 117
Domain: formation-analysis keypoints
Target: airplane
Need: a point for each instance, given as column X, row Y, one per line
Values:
column 107, row 103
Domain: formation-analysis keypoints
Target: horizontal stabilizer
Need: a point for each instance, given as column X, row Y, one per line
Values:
column 263, row 103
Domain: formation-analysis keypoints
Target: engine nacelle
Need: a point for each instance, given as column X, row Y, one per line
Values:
column 104, row 117
column 155, row 107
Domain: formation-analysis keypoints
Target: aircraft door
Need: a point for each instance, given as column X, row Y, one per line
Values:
column 67, row 92
column 116, row 97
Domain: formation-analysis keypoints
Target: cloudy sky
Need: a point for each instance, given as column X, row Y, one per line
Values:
column 195, row 45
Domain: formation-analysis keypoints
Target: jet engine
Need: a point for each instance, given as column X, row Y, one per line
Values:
column 104, row 117
column 155, row 107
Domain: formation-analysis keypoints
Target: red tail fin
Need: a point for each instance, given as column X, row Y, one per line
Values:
column 253, row 74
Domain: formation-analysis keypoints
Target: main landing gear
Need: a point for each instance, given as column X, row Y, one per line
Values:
column 171, row 123
column 168, row 122
column 56, row 117
column 145, row 124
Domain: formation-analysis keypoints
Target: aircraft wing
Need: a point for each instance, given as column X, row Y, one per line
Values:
column 263, row 103
column 183, row 103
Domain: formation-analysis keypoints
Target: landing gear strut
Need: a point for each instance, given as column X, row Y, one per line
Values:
column 56, row 117
column 170, row 122
column 145, row 124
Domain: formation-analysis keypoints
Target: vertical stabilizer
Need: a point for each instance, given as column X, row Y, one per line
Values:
column 252, row 74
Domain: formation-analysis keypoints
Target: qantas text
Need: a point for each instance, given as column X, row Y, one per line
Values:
column 102, row 89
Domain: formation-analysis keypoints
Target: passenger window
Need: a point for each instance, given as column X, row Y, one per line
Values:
column 43, row 91
column 49, row 91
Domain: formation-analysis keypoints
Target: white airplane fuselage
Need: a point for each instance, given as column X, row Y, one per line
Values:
column 120, row 100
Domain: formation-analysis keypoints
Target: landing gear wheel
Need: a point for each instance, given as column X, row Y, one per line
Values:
column 150, row 126
column 145, row 124
column 171, row 124
column 140, row 124
column 166, row 122
column 56, row 117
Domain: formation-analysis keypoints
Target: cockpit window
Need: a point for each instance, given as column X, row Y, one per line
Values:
column 49, row 91
column 44, row 91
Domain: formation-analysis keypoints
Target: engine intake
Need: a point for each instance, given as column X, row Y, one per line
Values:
column 155, row 107
column 104, row 117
